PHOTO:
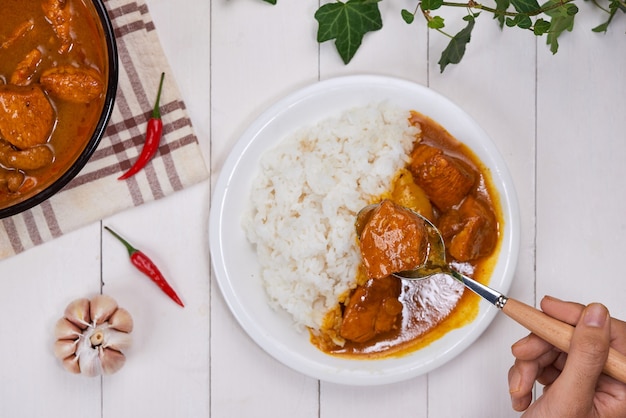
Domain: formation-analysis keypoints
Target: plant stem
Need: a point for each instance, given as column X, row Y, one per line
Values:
column 595, row 3
column 426, row 14
column 473, row 5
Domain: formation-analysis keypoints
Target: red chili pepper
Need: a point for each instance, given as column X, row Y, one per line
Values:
column 153, row 138
column 147, row 267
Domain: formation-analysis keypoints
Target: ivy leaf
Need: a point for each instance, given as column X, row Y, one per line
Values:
column 541, row 26
column 431, row 4
column 407, row 16
column 501, row 6
column 525, row 6
column 614, row 6
column 601, row 28
column 523, row 21
column 562, row 20
column 347, row 23
column 456, row 48
column 436, row 23
column 571, row 9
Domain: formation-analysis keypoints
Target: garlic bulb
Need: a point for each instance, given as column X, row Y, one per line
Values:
column 92, row 336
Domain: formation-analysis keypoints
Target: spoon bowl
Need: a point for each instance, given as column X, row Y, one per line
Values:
column 557, row 333
column 435, row 260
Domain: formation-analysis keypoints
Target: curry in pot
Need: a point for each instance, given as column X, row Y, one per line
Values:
column 446, row 183
column 53, row 81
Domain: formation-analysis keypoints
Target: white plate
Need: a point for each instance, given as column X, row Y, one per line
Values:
column 234, row 259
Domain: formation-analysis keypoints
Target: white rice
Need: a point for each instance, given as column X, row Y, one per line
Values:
column 304, row 202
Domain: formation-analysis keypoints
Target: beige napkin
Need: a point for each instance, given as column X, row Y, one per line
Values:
column 96, row 193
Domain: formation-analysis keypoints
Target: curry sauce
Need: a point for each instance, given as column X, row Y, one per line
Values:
column 53, row 81
column 446, row 183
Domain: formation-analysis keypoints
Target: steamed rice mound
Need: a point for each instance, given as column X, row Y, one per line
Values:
column 305, row 199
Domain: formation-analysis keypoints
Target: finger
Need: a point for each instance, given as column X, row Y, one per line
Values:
column 523, row 374
column 521, row 396
column 585, row 361
column 559, row 362
column 530, row 347
column 568, row 312
column 549, row 375
column 618, row 335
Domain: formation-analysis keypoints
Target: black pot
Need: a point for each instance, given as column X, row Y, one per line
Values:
column 99, row 130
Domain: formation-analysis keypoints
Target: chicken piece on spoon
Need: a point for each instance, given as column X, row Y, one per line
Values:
column 393, row 239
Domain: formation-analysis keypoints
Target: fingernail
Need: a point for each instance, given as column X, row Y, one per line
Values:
column 595, row 315
column 515, row 381
column 520, row 342
column 552, row 298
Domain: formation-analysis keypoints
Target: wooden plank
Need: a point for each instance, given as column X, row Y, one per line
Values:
column 397, row 50
column 408, row 397
column 494, row 83
column 580, row 170
column 36, row 287
column 167, row 369
column 260, row 53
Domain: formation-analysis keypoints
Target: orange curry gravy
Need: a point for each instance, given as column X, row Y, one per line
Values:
column 427, row 309
column 53, row 81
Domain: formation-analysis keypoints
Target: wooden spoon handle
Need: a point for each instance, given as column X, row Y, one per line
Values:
column 559, row 334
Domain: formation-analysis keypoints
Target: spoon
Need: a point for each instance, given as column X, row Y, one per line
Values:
column 557, row 333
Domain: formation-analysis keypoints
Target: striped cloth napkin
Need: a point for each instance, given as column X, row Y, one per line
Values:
column 96, row 193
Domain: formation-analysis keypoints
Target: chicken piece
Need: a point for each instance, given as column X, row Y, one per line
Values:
column 26, row 116
column 445, row 179
column 28, row 159
column 10, row 180
column 471, row 231
column 78, row 85
column 373, row 308
column 393, row 239
column 19, row 32
column 25, row 70
column 59, row 15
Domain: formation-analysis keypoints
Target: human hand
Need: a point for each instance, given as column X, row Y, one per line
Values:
column 574, row 384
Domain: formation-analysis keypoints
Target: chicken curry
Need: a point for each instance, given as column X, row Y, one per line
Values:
column 53, row 81
column 446, row 183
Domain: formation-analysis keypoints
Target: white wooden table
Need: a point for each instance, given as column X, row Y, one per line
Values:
column 559, row 122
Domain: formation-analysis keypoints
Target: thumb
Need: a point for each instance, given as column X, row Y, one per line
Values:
column 588, row 352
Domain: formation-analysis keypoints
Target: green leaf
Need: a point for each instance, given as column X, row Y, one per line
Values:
column 525, row 6
column 347, row 23
column 436, row 23
column 523, row 21
column 541, row 27
column 571, row 9
column 601, row 28
column 614, row 5
column 456, row 48
column 407, row 16
column 561, row 21
column 270, row 1
column 501, row 7
column 431, row 4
